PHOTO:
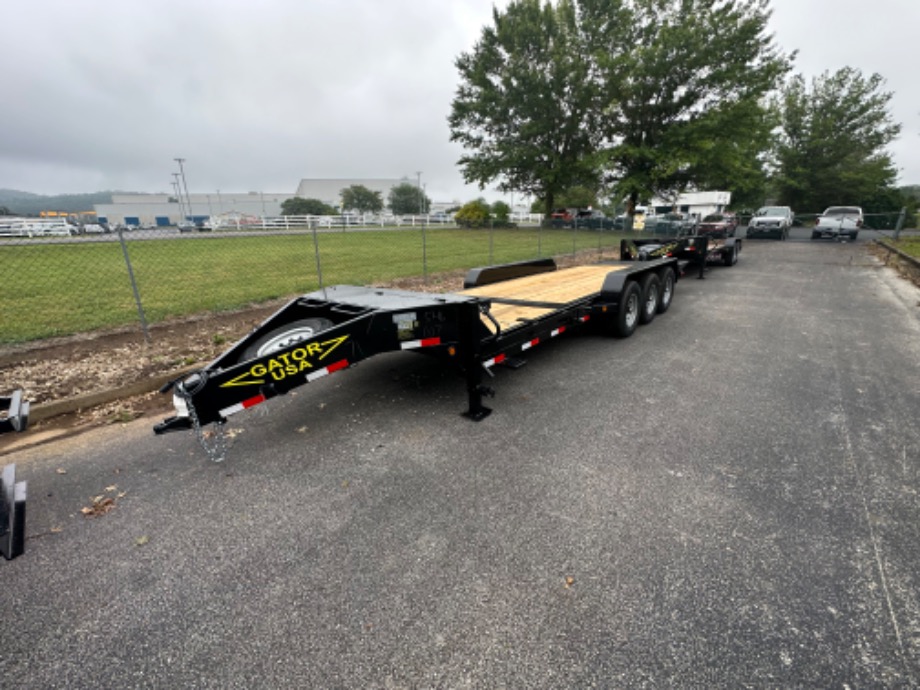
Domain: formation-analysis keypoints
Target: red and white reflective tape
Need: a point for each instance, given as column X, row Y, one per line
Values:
column 319, row 373
column 424, row 342
column 245, row 405
column 497, row 359
column 527, row 346
column 584, row 318
column 557, row 331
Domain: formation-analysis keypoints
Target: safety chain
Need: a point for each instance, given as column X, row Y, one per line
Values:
column 215, row 451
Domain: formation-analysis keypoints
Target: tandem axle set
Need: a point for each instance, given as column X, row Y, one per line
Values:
column 501, row 312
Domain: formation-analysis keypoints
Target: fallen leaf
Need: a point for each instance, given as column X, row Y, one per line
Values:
column 61, row 470
column 140, row 541
column 569, row 581
column 110, row 489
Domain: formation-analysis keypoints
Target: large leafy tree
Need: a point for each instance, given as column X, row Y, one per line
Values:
column 832, row 139
column 359, row 198
column 525, row 110
column 298, row 206
column 408, row 199
column 683, row 86
column 659, row 95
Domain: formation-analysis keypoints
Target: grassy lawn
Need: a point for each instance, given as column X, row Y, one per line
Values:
column 908, row 245
column 81, row 286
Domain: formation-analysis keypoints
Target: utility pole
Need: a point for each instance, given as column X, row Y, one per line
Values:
column 175, row 184
column 188, row 199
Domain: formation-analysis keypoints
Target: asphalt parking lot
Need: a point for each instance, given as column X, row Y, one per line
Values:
column 730, row 498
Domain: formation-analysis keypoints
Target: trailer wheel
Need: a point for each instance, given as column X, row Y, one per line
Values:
column 730, row 257
column 627, row 317
column 286, row 336
column 651, row 296
column 667, row 290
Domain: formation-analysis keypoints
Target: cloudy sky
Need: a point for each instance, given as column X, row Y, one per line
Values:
column 104, row 94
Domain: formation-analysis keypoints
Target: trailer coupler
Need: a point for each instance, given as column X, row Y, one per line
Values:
column 173, row 424
column 12, row 514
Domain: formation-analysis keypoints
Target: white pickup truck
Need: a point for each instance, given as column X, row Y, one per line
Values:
column 837, row 222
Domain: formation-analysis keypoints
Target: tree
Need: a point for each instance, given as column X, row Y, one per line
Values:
column 656, row 95
column 298, row 206
column 501, row 211
column 525, row 110
column 407, row 199
column 474, row 214
column 831, row 140
column 577, row 197
column 4, row 211
column 683, row 87
column 359, row 198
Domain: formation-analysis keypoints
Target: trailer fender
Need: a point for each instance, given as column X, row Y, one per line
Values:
column 614, row 283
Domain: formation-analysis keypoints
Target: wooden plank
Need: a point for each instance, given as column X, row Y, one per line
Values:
column 563, row 286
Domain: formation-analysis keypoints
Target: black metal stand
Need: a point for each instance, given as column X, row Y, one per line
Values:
column 12, row 514
column 17, row 413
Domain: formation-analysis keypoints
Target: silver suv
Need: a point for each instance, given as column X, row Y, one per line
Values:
column 771, row 221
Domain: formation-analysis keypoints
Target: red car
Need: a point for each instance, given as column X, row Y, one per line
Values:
column 720, row 224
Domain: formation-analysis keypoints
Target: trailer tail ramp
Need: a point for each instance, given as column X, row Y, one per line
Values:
column 501, row 312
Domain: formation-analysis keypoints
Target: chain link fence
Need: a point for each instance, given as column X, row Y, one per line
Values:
column 63, row 281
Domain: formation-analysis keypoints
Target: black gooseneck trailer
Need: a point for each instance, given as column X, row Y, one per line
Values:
column 501, row 312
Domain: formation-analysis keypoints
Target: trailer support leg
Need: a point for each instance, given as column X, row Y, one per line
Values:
column 469, row 344
column 12, row 514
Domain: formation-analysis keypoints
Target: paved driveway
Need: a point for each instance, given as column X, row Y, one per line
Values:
column 727, row 499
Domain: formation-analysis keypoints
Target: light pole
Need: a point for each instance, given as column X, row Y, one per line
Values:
column 185, row 184
column 175, row 185
column 419, row 187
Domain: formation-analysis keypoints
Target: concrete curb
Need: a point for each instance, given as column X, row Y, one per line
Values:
column 907, row 257
column 40, row 413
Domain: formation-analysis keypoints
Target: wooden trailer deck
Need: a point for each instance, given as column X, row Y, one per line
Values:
column 554, row 287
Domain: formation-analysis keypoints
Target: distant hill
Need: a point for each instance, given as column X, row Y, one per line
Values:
column 28, row 204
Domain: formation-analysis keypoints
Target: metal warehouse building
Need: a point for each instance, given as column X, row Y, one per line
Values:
column 168, row 209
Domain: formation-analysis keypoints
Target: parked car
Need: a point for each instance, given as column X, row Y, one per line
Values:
column 718, row 225
column 672, row 224
column 838, row 221
column 771, row 222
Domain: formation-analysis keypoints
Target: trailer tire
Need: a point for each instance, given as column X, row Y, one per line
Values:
column 626, row 319
column 286, row 336
column 651, row 298
column 667, row 290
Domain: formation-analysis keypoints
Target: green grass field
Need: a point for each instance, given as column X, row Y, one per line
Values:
column 908, row 245
column 82, row 286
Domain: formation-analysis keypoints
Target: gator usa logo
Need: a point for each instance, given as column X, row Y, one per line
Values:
column 283, row 365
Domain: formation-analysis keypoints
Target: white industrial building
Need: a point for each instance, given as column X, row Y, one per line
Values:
column 169, row 209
